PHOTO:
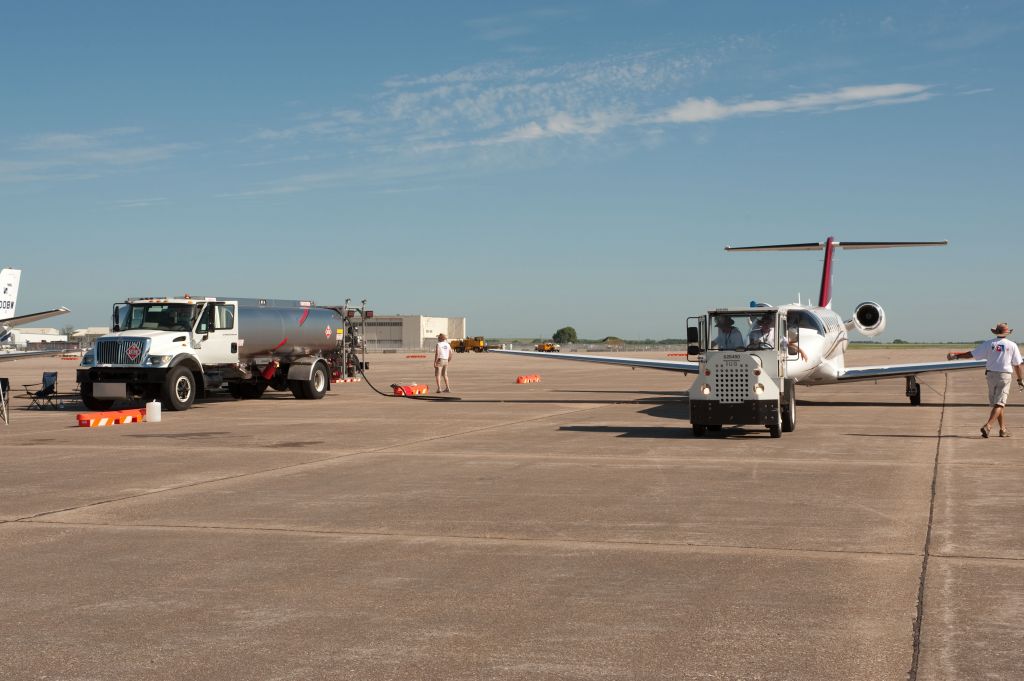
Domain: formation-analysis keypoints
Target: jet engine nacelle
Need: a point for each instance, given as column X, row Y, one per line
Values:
column 868, row 319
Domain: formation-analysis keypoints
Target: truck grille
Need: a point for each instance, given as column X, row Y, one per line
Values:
column 121, row 351
column 732, row 385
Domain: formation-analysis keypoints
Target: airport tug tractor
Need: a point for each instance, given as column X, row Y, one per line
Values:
column 743, row 357
column 177, row 349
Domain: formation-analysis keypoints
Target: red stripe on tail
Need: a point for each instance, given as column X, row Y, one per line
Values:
column 825, row 295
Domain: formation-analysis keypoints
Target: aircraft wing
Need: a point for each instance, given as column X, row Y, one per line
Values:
column 894, row 370
column 665, row 365
column 10, row 356
column 11, row 322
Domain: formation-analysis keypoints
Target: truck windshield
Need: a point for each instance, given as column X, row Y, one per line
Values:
column 160, row 316
column 753, row 330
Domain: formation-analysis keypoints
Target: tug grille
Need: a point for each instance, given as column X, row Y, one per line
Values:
column 732, row 385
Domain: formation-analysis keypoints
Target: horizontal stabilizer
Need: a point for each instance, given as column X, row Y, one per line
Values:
column 837, row 244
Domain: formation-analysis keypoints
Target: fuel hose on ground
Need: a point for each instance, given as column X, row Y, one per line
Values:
column 433, row 398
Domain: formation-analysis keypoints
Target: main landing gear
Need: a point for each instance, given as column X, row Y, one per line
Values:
column 914, row 391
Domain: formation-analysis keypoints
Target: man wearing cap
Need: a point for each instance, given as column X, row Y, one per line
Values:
column 442, row 355
column 729, row 337
column 1002, row 358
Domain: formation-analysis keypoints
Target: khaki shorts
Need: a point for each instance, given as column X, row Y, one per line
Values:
column 441, row 365
column 998, row 388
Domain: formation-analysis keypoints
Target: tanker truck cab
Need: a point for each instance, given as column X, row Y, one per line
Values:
column 745, row 357
column 169, row 349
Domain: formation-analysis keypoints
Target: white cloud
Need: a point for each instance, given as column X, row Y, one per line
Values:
column 75, row 155
column 702, row 110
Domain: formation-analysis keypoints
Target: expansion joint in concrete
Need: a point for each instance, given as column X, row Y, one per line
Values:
column 926, row 552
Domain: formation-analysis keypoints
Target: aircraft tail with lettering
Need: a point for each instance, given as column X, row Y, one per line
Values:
column 9, row 280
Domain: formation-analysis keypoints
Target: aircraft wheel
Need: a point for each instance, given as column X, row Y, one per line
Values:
column 789, row 410
column 699, row 429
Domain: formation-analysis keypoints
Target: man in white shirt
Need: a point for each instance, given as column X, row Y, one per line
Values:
column 729, row 337
column 442, row 355
column 1002, row 358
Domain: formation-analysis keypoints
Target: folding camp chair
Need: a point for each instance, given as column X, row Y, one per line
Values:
column 45, row 393
column 5, row 391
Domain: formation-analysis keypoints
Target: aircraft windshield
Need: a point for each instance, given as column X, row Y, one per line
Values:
column 753, row 330
column 160, row 316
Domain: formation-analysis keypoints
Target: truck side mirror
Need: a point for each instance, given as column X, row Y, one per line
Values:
column 692, row 340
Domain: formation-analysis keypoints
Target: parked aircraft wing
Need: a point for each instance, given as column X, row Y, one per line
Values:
column 11, row 322
column 893, row 370
column 10, row 356
column 666, row 365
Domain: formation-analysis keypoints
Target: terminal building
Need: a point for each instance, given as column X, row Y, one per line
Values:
column 410, row 332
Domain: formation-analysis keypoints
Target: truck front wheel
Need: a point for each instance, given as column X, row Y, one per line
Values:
column 179, row 389
column 91, row 402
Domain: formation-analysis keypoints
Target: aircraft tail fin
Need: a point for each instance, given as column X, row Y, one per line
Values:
column 825, row 292
column 9, row 280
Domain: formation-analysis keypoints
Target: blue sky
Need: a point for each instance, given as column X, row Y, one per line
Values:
column 528, row 166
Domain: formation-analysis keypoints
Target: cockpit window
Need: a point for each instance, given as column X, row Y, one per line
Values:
column 802, row 319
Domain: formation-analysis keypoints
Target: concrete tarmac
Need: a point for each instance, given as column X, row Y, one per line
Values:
column 570, row 529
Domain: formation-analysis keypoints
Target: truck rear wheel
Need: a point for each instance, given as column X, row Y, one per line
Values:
column 313, row 389
column 91, row 402
column 317, row 385
column 179, row 389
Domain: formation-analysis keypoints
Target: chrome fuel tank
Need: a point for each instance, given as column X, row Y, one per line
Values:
column 286, row 332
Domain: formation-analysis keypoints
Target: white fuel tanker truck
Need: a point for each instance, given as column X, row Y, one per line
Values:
column 178, row 349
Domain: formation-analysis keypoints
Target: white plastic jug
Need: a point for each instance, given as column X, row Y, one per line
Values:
column 153, row 412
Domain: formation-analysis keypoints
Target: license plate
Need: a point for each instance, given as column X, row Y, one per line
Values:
column 110, row 391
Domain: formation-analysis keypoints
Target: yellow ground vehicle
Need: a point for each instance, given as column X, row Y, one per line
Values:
column 474, row 344
column 547, row 346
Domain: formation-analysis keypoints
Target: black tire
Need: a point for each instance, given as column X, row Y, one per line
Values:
column 91, row 402
column 179, row 389
column 788, row 408
column 915, row 399
column 298, row 389
column 716, row 428
column 699, row 429
column 775, row 431
column 247, row 391
column 319, row 382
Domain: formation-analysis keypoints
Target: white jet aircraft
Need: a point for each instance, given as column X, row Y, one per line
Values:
column 9, row 280
column 822, row 336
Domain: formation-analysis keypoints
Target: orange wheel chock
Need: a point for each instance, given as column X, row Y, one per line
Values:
column 529, row 378
column 410, row 390
column 96, row 419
